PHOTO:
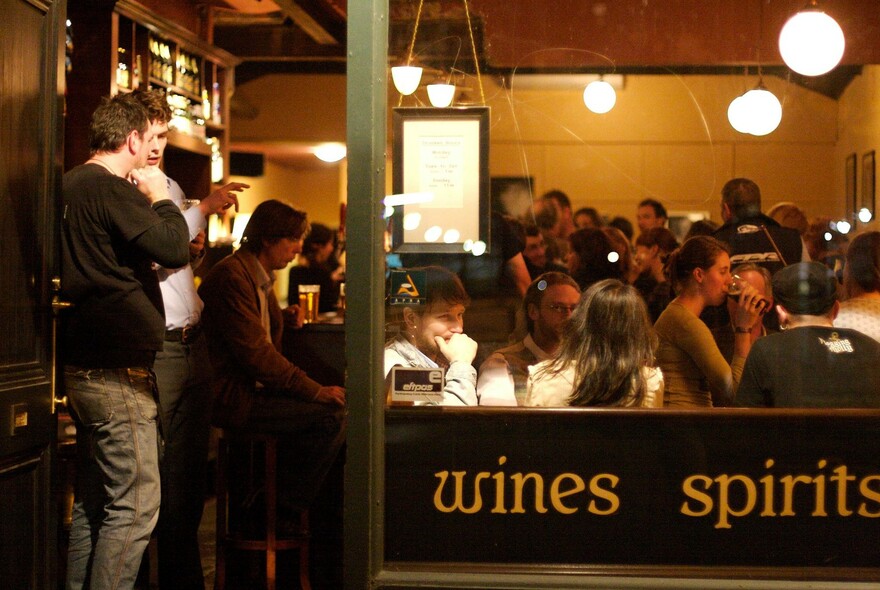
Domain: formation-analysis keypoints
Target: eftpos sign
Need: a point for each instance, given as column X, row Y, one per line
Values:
column 417, row 385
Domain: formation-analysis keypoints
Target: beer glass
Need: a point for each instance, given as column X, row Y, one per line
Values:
column 308, row 301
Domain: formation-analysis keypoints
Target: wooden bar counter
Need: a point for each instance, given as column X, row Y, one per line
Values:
column 319, row 349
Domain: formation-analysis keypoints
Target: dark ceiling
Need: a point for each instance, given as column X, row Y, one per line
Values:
column 562, row 36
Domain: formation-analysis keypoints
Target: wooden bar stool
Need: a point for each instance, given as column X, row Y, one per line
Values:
column 235, row 539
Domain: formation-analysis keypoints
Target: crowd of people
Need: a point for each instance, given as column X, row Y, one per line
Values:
column 752, row 313
column 764, row 310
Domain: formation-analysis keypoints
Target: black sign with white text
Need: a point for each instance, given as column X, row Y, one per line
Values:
column 749, row 488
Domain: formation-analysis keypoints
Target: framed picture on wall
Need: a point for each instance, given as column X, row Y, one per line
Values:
column 852, row 199
column 867, row 201
column 440, row 179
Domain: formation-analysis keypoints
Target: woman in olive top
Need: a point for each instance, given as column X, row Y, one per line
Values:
column 695, row 372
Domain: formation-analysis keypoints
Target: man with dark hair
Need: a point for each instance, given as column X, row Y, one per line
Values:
column 183, row 374
column 316, row 266
column 810, row 364
column 560, row 204
column 535, row 253
column 624, row 225
column 651, row 213
column 587, row 217
column 255, row 387
column 751, row 235
column 112, row 232
column 553, row 215
column 549, row 302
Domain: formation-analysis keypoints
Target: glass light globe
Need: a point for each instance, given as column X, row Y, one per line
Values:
column 843, row 226
column 330, row 152
column 865, row 215
column 599, row 96
column 811, row 43
column 441, row 95
column 738, row 114
column 406, row 78
column 764, row 111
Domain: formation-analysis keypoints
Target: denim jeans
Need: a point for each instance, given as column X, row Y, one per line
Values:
column 117, row 496
column 183, row 373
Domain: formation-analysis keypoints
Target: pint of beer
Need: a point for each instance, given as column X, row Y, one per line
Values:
column 308, row 301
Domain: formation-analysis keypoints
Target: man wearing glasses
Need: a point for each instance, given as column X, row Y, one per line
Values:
column 549, row 302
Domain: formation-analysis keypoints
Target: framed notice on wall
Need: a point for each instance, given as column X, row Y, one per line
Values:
column 867, row 201
column 852, row 200
column 440, row 179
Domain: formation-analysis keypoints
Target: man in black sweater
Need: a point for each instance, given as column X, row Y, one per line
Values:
column 118, row 219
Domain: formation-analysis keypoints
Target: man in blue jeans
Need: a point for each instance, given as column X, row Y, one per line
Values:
column 118, row 219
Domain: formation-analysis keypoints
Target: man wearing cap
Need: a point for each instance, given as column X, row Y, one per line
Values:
column 810, row 364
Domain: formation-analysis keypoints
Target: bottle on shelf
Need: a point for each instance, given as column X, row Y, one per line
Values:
column 122, row 74
column 215, row 103
column 136, row 73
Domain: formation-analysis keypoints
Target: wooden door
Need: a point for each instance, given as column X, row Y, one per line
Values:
column 31, row 102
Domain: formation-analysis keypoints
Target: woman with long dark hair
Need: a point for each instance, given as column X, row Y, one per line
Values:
column 696, row 373
column 592, row 257
column 606, row 357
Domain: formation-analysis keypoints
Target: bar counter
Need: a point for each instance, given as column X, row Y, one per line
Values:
column 319, row 349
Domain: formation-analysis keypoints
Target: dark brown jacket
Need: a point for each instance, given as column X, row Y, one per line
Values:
column 241, row 355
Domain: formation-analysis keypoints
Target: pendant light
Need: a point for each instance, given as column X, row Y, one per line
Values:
column 757, row 112
column 406, row 78
column 599, row 96
column 811, row 42
column 441, row 94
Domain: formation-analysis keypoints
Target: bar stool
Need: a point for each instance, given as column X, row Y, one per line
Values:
column 270, row 544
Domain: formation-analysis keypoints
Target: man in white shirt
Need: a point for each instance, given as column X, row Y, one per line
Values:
column 548, row 304
column 183, row 374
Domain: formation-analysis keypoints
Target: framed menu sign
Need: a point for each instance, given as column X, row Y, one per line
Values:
column 440, row 179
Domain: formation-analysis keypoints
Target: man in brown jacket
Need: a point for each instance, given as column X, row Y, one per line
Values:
column 256, row 388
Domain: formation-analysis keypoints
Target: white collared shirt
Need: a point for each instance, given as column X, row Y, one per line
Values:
column 183, row 307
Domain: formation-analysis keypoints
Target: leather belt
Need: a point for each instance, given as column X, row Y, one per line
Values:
column 183, row 335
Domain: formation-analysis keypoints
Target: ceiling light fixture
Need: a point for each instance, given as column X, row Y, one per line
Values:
column 330, row 152
column 599, row 96
column 407, row 78
column 441, row 94
column 757, row 112
column 811, row 42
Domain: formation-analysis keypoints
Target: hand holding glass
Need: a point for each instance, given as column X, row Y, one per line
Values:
column 735, row 289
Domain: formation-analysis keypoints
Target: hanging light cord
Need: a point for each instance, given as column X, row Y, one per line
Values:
column 412, row 42
column 467, row 14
